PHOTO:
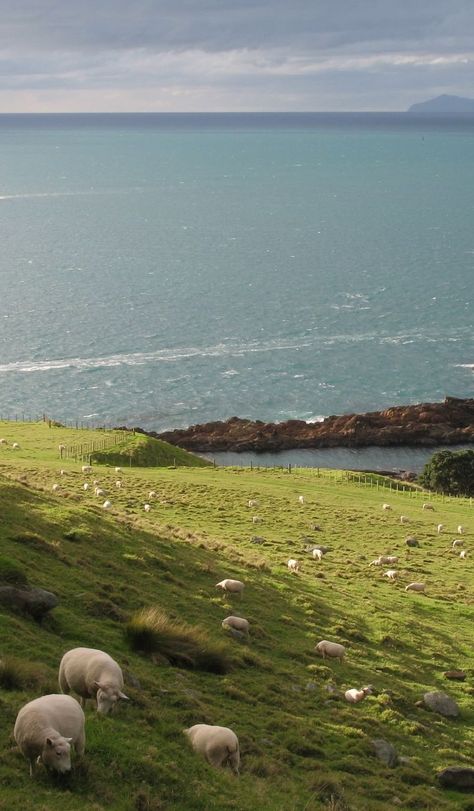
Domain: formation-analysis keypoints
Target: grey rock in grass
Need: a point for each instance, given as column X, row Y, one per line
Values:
column 455, row 675
column 257, row 539
column 441, row 703
column 33, row 601
column 385, row 752
column 458, row 777
column 131, row 680
column 411, row 542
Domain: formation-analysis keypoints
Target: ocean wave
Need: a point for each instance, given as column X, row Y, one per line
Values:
column 85, row 193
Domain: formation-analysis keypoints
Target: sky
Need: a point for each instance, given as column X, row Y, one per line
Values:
column 232, row 55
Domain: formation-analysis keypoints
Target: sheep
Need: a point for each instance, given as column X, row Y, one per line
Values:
column 15, row 446
column 353, row 696
column 46, row 727
column 293, row 565
column 391, row 574
column 106, row 505
column 301, row 499
column 3, row 441
column 237, row 624
column 404, row 519
column 317, row 554
column 440, row 528
column 118, row 484
column 147, row 508
column 332, row 650
column 218, row 745
column 55, row 488
column 85, row 486
column 463, row 554
column 118, row 469
column 457, row 542
column 86, row 469
column 460, row 529
column 92, row 673
column 386, row 507
column 99, row 491
column 428, row 507
column 62, row 472
column 61, row 448
column 95, row 482
column 231, row 586
column 253, row 502
column 415, row 587
column 256, row 520
column 152, row 494
column 382, row 559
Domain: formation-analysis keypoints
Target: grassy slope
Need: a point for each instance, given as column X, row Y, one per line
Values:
column 145, row 451
column 300, row 749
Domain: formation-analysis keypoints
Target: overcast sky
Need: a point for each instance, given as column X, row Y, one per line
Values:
column 225, row 55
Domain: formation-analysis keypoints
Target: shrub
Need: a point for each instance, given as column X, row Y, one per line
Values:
column 18, row 674
column 152, row 631
column 11, row 573
column 450, row 472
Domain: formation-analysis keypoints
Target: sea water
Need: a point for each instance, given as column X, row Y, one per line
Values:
column 163, row 270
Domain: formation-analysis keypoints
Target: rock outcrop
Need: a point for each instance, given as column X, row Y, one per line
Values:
column 426, row 424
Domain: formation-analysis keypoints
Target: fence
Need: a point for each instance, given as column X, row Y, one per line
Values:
column 83, row 451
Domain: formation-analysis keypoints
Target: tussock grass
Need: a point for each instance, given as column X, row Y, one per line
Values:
column 21, row 674
column 152, row 631
column 11, row 574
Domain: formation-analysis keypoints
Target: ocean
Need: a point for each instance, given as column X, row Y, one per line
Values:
column 162, row 270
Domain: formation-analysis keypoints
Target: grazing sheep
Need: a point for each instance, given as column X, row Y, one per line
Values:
column 415, row 587
column 404, row 519
column 301, row 499
column 85, row 486
column 46, row 727
column 99, row 491
column 15, row 445
column 152, row 494
column 383, row 559
column 118, row 484
column 463, row 554
column 322, row 548
column 317, row 554
column 237, row 624
column 61, row 448
column 253, row 502
column 293, row 565
column 428, row 507
column 461, row 529
column 256, row 520
column 62, row 472
column 353, row 696
column 118, row 469
column 86, row 469
column 411, row 542
column 440, row 528
column 147, row 508
column 106, row 505
column 231, row 586
column 331, row 650
column 95, row 482
column 386, row 507
column 3, row 441
column 55, row 488
column 218, row 745
column 457, row 542
column 391, row 574
column 92, row 674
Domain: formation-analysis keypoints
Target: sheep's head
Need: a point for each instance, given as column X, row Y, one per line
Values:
column 56, row 754
column 107, row 697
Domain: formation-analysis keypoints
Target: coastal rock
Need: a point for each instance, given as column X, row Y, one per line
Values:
column 441, row 703
column 385, row 752
column 458, row 777
column 426, row 424
column 32, row 601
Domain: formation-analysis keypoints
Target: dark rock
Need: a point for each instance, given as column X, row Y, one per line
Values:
column 32, row 601
column 441, row 703
column 411, row 542
column 454, row 675
column 257, row 539
column 458, row 777
column 385, row 752
column 131, row 680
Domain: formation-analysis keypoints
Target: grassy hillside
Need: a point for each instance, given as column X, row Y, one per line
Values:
column 144, row 451
column 303, row 748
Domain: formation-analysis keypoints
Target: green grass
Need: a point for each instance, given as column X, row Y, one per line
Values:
column 303, row 748
column 144, row 451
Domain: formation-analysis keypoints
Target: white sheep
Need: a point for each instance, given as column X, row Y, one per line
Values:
column 95, row 482
column 457, row 542
column 3, row 441
column 392, row 574
column 62, row 472
column 331, row 650
column 118, row 484
column 386, row 507
column 99, row 491
column 415, row 587
column 404, row 519
column 106, row 505
column 15, row 445
column 293, row 565
column 253, row 502
column 92, row 673
column 86, row 469
column 85, row 486
column 118, row 469
column 152, row 494
column 218, row 745
column 61, row 448
column 237, row 623
column 147, row 508
column 463, row 554
column 461, row 529
column 428, row 507
column 383, row 559
column 353, row 696
column 301, row 499
column 231, row 586
column 46, row 727
column 440, row 528
column 55, row 488
column 256, row 520
column 317, row 554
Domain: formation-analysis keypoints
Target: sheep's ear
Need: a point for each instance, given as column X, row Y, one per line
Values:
column 49, row 742
column 122, row 695
column 98, row 685
column 69, row 740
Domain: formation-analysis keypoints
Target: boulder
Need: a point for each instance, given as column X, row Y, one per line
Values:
column 457, row 777
column 454, row 675
column 441, row 703
column 33, row 601
column 385, row 752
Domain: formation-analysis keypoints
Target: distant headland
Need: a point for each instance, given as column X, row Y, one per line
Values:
column 444, row 104
column 425, row 424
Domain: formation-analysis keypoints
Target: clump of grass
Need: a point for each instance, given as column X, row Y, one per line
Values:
column 11, row 573
column 152, row 631
column 19, row 674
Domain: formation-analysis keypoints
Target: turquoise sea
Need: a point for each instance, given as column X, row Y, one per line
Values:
column 162, row 270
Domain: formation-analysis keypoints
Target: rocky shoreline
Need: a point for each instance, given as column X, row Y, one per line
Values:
column 425, row 424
